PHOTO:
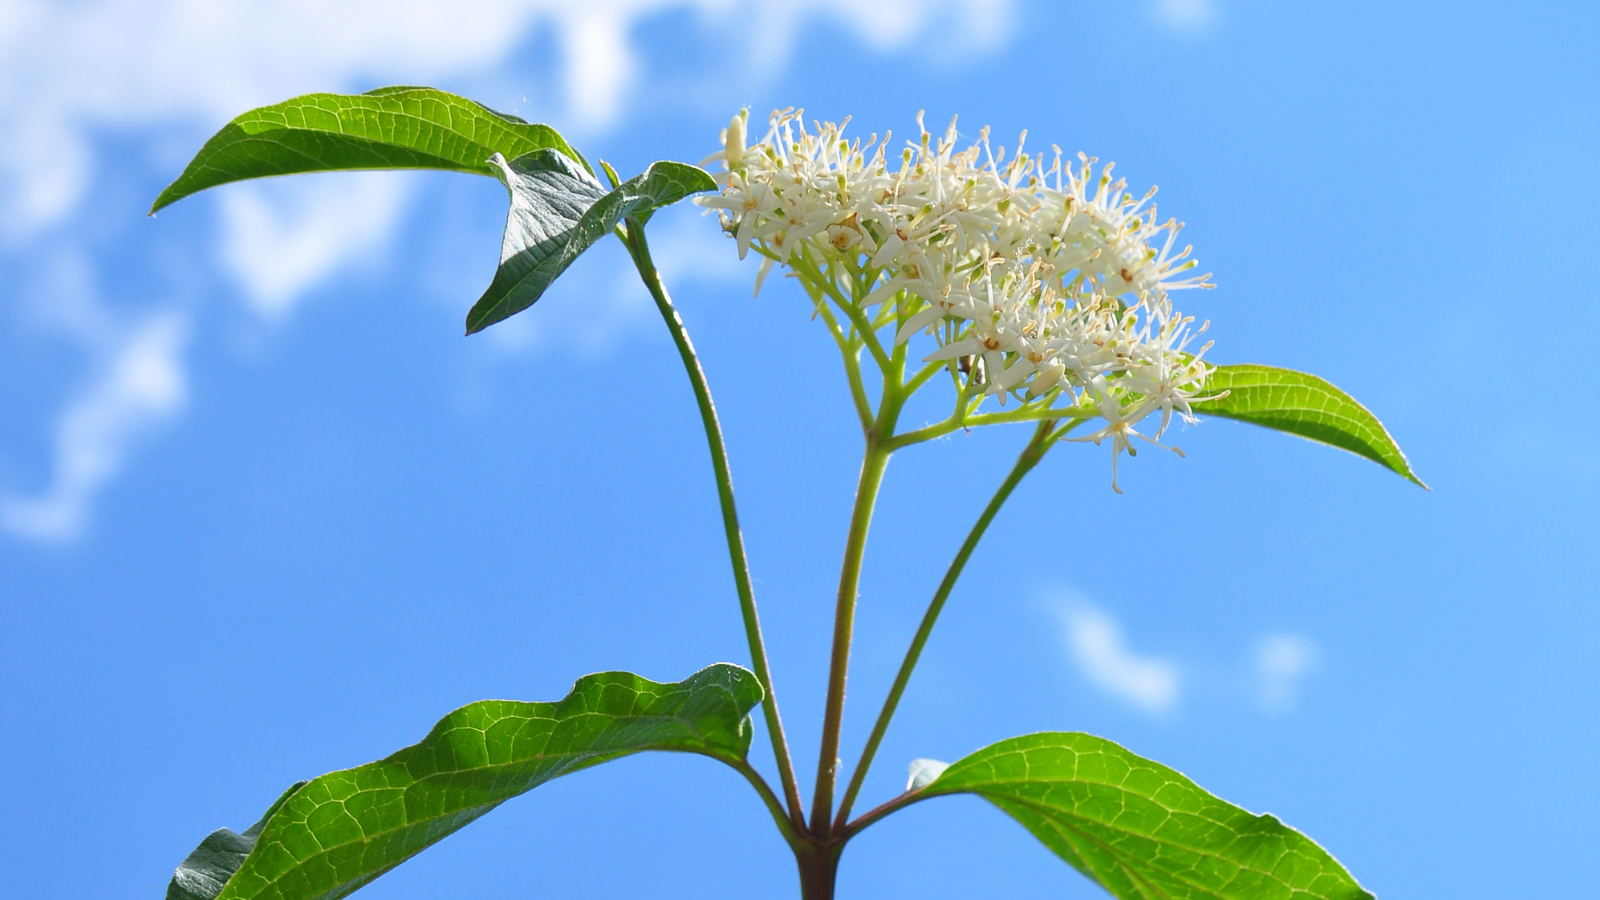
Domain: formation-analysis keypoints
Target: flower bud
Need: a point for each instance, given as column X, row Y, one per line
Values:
column 733, row 148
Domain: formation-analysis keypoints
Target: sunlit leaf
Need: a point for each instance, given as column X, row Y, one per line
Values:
column 329, row 836
column 1303, row 405
column 1140, row 829
column 208, row 868
column 389, row 128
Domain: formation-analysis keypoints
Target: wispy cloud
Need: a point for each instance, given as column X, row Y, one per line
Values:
column 1281, row 663
column 141, row 69
column 67, row 70
column 280, row 238
column 1096, row 644
column 1275, row 666
column 1188, row 16
column 140, row 384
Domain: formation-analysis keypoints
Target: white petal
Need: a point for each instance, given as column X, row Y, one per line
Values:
column 747, row 227
column 885, row 254
column 918, row 322
column 881, row 293
column 1019, row 371
column 761, row 276
column 1046, row 379
column 966, row 347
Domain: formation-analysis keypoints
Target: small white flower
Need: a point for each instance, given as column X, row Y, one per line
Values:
column 1119, row 427
column 1047, row 283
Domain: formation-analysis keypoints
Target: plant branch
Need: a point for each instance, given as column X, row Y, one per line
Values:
column 873, row 463
column 1044, row 437
column 1025, row 414
column 863, row 325
column 926, row 372
column 1034, row 414
column 877, row 812
column 852, row 362
column 774, row 807
column 640, row 251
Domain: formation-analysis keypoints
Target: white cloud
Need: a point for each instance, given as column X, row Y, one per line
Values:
column 67, row 70
column 141, row 385
column 1189, row 16
column 951, row 26
column 1282, row 661
column 72, row 73
column 280, row 237
column 1096, row 643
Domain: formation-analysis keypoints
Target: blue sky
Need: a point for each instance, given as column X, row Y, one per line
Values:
column 265, row 513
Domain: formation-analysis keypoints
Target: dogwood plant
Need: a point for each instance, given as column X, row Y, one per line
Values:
column 1029, row 288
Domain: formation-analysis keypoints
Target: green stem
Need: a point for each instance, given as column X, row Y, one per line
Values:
column 872, row 815
column 790, row 833
column 1043, row 438
column 813, row 275
column 873, row 464
column 925, row 373
column 1041, row 413
column 819, row 869
column 852, row 363
column 640, row 250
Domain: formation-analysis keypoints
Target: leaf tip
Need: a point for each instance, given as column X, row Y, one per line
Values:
column 164, row 200
column 479, row 319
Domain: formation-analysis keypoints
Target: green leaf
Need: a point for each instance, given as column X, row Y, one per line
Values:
column 558, row 211
column 1303, row 405
column 1140, row 829
column 208, row 868
column 389, row 128
column 333, row 834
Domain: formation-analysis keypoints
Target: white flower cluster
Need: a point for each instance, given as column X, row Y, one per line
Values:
column 1040, row 280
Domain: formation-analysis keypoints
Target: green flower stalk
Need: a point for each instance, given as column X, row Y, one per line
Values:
column 1046, row 285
